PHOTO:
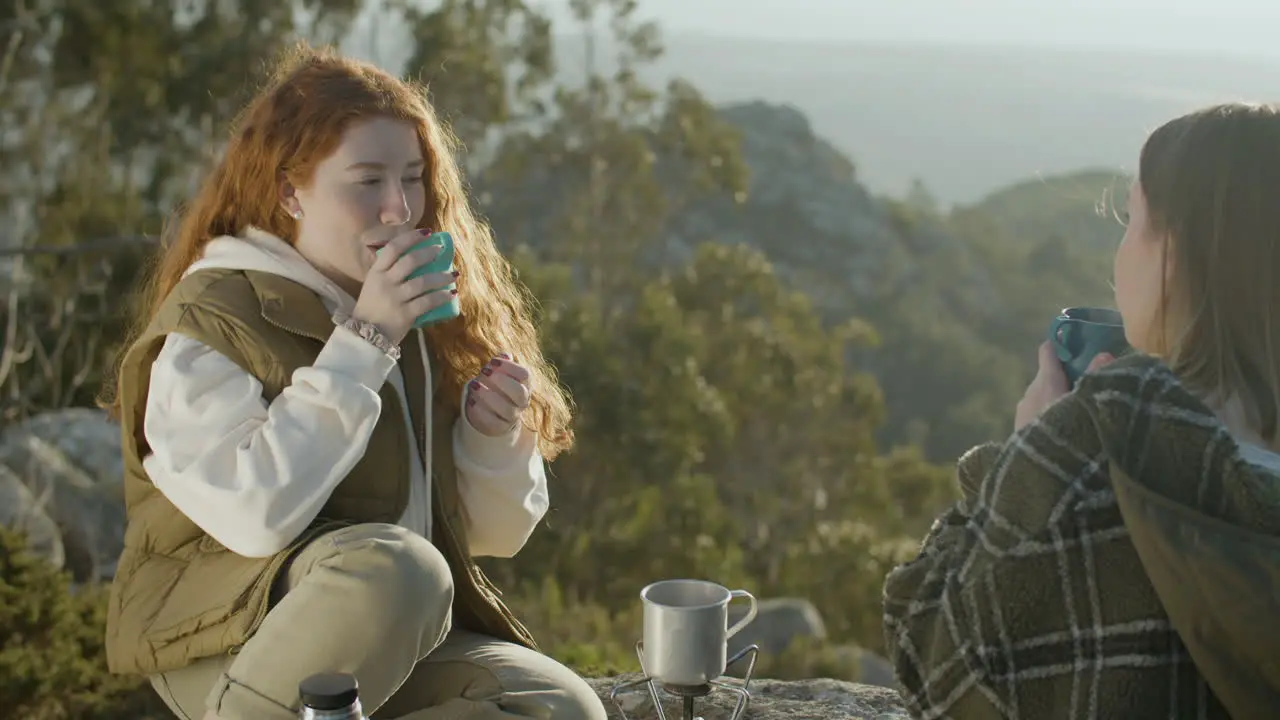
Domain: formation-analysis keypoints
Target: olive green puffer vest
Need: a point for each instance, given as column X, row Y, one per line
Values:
column 178, row 594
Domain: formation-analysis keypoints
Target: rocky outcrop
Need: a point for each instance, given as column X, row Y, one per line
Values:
column 778, row 623
column 804, row 209
column 24, row 511
column 872, row 669
column 62, row 484
column 782, row 621
column 820, row 699
column 822, row 229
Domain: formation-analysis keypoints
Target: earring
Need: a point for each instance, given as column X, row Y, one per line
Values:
column 297, row 214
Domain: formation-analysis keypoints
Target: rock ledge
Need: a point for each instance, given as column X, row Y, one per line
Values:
column 816, row 699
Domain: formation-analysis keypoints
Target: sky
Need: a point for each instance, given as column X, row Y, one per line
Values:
column 1027, row 140
column 1229, row 27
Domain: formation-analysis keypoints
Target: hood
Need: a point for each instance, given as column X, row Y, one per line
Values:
column 259, row 250
column 1205, row 522
column 1217, row 581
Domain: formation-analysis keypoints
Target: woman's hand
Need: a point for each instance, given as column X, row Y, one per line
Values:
column 1049, row 384
column 498, row 396
column 392, row 300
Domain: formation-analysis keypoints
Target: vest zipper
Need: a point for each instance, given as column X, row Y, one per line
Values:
column 474, row 572
column 431, row 471
column 294, row 330
column 424, row 432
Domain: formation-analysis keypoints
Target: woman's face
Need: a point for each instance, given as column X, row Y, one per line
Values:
column 1140, row 276
column 367, row 192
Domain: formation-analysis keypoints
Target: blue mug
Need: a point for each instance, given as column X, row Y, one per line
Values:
column 1080, row 334
column 442, row 263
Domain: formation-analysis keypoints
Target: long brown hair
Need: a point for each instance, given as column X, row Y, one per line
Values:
column 1212, row 185
column 294, row 122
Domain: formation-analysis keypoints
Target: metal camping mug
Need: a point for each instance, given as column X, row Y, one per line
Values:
column 1080, row 334
column 686, row 631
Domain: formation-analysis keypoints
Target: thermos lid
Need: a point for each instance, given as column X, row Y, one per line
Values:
column 329, row 691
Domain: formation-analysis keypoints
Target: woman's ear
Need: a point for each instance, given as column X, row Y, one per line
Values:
column 289, row 198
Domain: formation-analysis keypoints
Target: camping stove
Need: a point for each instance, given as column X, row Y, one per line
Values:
column 689, row 695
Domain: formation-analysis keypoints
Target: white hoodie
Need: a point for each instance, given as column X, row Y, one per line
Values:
column 254, row 475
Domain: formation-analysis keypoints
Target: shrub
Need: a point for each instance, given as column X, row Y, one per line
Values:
column 52, row 660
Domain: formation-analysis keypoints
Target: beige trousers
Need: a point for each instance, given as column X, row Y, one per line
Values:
column 374, row 600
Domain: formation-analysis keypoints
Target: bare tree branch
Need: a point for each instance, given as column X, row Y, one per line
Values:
column 23, row 20
column 9, row 355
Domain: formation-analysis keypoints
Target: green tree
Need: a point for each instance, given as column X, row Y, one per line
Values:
column 723, row 436
column 486, row 62
column 615, row 158
column 115, row 104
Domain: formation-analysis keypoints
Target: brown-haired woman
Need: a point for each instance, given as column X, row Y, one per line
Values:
column 1117, row 557
column 308, row 477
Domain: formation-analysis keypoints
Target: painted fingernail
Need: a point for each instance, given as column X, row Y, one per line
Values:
column 495, row 362
column 487, row 371
column 453, row 291
column 475, row 385
column 455, row 273
column 504, row 356
column 425, row 231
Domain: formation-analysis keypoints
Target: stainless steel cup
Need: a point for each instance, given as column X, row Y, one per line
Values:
column 686, row 630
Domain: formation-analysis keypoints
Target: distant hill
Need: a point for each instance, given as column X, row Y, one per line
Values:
column 1079, row 207
column 964, row 120
column 959, row 298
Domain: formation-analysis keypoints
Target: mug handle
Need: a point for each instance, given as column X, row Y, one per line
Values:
column 751, row 613
column 1061, row 324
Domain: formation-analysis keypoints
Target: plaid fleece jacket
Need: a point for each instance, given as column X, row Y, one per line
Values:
column 1029, row 599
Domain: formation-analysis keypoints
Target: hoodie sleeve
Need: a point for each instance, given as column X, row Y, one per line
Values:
column 253, row 474
column 503, row 484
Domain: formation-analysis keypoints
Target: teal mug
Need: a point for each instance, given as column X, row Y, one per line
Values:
column 442, row 263
column 1080, row 334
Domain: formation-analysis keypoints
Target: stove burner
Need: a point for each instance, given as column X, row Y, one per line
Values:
column 687, row 690
column 688, row 694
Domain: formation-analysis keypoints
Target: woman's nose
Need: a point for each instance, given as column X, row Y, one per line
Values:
column 395, row 207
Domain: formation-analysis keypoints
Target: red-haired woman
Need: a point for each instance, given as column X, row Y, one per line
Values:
column 308, row 476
